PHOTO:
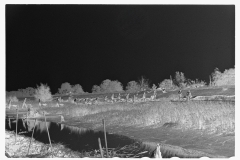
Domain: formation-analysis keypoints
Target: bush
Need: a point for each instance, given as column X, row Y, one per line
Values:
column 180, row 80
column 68, row 88
column 133, row 86
column 12, row 98
column 225, row 78
column 43, row 93
column 196, row 83
column 22, row 92
column 167, row 84
column 144, row 83
column 108, row 86
column 96, row 89
column 77, row 89
column 65, row 88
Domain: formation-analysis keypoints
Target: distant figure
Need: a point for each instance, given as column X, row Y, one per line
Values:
column 119, row 96
column 180, row 94
column 105, row 99
column 189, row 95
column 127, row 96
column 164, row 90
column 39, row 102
column 155, row 94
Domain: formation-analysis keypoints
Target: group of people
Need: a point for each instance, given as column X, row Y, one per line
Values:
column 188, row 95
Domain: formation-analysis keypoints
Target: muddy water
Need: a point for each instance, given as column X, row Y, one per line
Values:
column 77, row 139
column 82, row 139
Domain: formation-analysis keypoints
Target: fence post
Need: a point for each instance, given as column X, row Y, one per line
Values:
column 16, row 125
column 32, row 136
column 100, row 146
column 47, row 130
column 104, row 129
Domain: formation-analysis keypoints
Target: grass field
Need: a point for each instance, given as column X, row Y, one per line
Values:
column 214, row 116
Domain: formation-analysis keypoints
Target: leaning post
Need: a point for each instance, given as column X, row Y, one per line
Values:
column 47, row 130
column 104, row 128
column 16, row 125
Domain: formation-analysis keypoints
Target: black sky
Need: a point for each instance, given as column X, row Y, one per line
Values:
column 86, row 44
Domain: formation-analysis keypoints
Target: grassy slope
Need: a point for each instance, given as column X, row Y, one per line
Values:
column 215, row 116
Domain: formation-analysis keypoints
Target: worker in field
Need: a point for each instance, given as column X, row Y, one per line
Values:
column 189, row 95
column 180, row 94
column 127, row 97
column 39, row 102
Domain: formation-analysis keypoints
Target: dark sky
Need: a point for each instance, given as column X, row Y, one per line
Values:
column 86, row 44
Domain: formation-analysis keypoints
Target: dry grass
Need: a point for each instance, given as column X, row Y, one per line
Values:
column 213, row 116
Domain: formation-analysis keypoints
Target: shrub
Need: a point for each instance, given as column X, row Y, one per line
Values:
column 22, row 92
column 96, row 89
column 43, row 93
column 133, row 86
column 225, row 78
column 12, row 98
column 77, row 89
column 144, row 83
column 180, row 79
column 65, row 88
column 167, row 84
column 195, row 83
column 108, row 86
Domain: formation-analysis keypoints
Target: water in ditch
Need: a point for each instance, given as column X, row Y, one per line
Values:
column 82, row 139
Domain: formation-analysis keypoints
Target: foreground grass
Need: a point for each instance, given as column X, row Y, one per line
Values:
column 213, row 116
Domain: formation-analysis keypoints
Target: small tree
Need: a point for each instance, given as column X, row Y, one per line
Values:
column 12, row 98
column 65, row 88
column 115, row 86
column 77, row 89
column 167, row 84
column 180, row 79
column 105, row 86
column 133, row 86
column 154, row 87
column 225, row 78
column 96, row 89
column 43, row 93
column 144, row 83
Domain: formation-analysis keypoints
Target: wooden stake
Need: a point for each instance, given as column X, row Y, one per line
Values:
column 104, row 128
column 171, row 80
column 47, row 130
column 9, row 105
column 16, row 125
column 24, row 103
column 32, row 136
column 210, row 81
column 9, row 123
column 100, row 146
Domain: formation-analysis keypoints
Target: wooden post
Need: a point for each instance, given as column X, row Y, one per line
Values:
column 47, row 130
column 9, row 105
column 210, row 81
column 100, row 146
column 32, row 136
column 171, row 80
column 9, row 123
column 24, row 102
column 16, row 125
column 104, row 129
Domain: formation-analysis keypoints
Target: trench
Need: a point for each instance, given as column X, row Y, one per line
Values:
column 83, row 139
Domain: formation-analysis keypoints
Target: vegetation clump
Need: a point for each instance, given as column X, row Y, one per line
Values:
column 225, row 78
column 43, row 93
column 108, row 86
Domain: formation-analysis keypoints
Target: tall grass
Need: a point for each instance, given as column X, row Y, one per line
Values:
column 213, row 116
